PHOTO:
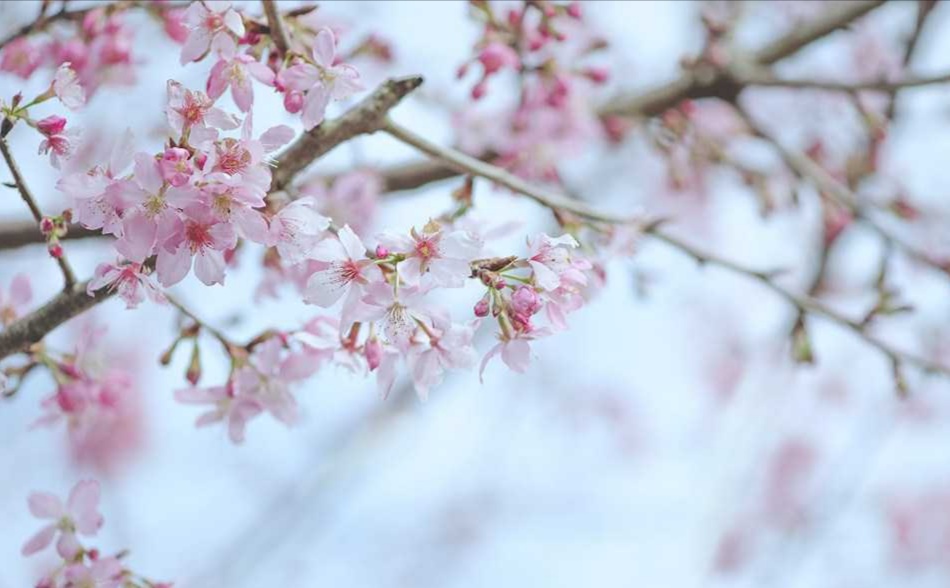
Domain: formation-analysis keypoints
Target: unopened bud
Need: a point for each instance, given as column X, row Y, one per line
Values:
column 574, row 10
column 373, row 351
column 482, row 308
column 193, row 374
column 479, row 90
column 47, row 226
column 55, row 249
column 381, row 252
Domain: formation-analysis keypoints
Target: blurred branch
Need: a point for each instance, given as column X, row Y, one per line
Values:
column 764, row 78
column 700, row 83
column 803, row 303
column 67, row 271
column 924, row 10
column 466, row 164
column 276, row 27
column 807, row 169
column 19, row 233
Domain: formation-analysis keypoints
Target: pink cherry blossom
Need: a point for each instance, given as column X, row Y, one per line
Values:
column 103, row 572
column 322, row 81
column 236, row 71
column 150, row 217
column 58, row 142
column 449, row 347
column 351, row 199
column 496, row 56
column 231, row 201
column 97, row 195
column 200, row 237
column 297, row 228
column 345, row 277
column 398, row 311
column 187, row 109
column 79, row 514
column 129, row 280
column 21, row 57
column 210, row 22
column 176, row 166
column 13, row 304
column 551, row 260
column 67, row 88
column 226, row 407
column 434, row 257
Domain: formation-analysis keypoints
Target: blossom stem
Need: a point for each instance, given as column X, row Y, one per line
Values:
column 221, row 337
column 68, row 276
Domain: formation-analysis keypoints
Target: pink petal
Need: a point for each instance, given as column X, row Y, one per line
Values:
column 325, row 287
column 44, row 505
column 39, row 541
column 324, row 47
column 243, row 94
column 83, row 504
column 234, row 22
column 173, row 267
column 20, row 290
column 68, row 546
column 315, row 107
column 209, row 267
column 351, row 243
column 197, row 44
column 301, row 77
column 217, row 80
column 517, row 355
column 276, row 137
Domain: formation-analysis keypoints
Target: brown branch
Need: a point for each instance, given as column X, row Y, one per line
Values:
column 27, row 196
column 33, row 327
column 924, row 10
column 276, row 28
column 467, row 164
column 768, row 80
column 807, row 169
column 365, row 118
column 692, row 84
column 20, row 233
column 805, row 304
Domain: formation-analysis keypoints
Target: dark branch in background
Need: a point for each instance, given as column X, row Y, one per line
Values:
column 27, row 196
column 365, row 118
column 924, row 10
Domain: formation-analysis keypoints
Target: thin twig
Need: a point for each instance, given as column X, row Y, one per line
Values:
column 217, row 334
column 278, row 32
column 68, row 276
column 804, row 303
column 766, row 79
column 467, row 164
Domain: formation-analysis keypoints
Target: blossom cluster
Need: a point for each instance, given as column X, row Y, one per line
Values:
column 542, row 43
column 80, row 565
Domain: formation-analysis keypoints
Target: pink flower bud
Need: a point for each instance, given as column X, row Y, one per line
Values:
column 373, row 352
column 598, row 75
column 51, row 125
column 174, row 25
column 381, row 252
column 293, row 101
column 574, row 10
column 47, row 225
column 481, row 308
column 525, row 301
column 478, row 92
column 55, row 250
column 496, row 55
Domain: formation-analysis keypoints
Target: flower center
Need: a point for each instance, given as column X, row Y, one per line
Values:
column 198, row 236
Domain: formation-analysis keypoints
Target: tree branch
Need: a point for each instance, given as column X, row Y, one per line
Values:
column 27, row 196
column 467, row 164
column 762, row 78
column 33, row 327
column 19, row 233
column 276, row 25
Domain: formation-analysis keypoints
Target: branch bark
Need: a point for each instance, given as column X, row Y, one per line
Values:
column 276, row 24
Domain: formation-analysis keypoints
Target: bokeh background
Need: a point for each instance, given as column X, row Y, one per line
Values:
column 666, row 439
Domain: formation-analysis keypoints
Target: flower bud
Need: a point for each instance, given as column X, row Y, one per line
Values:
column 478, row 92
column 525, row 301
column 373, row 351
column 293, row 101
column 51, row 125
column 481, row 308
column 381, row 252
column 47, row 226
column 496, row 56
column 574, row 10
column 55, row 249
column 193, row 374
column 598, row 75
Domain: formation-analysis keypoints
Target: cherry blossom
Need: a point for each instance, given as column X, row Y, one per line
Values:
column 21, row 57
column 103, row 572
column 434, row 257
column 297, row 228
column 67, row 88
column 191, row 109
column 449, row 346
column 129, row 280
column 237, row 411
column 200, row 237
column 58, row 142
column 345, row 277
column 80, row 515
column 14, row 303
column 210, row 22
column 551, row 260
column 324, row 80
column 235, row 72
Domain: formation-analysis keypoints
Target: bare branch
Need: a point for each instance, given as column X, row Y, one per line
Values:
column 20, row 233
column 890, row 86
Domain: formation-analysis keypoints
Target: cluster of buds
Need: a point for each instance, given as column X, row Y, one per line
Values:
column 54, row 228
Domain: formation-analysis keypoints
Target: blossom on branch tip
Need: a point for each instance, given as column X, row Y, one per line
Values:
column 210, row 22
column 67, row 88
column 128, row 280
column 323, row 80
column 434, row 257
column 80, row 515
column 345, row 277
